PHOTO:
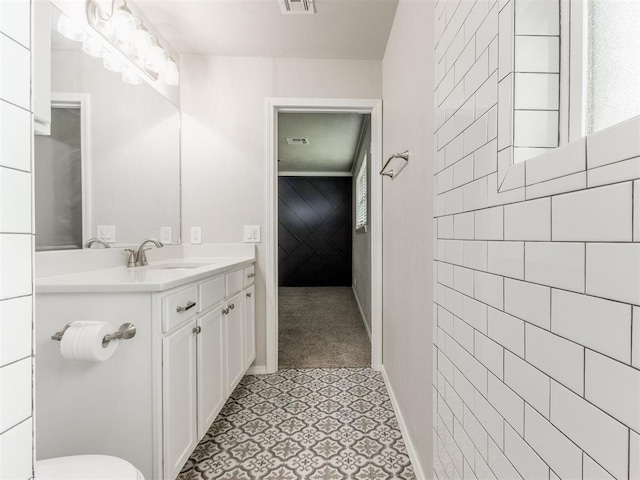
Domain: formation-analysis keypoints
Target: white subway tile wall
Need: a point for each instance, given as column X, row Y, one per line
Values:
column 538, row 341
column 16, row 243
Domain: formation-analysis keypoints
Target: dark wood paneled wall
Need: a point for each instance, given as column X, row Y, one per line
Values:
column 314, row 231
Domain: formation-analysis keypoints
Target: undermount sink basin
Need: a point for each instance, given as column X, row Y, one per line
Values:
column 178, row 266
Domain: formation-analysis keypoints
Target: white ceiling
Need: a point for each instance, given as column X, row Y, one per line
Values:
column 346, row 29
column 333, row 140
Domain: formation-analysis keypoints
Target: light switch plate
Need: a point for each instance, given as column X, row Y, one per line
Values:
column 106, row 233
column 251, row 234
column 196, row 235
column 165, row 235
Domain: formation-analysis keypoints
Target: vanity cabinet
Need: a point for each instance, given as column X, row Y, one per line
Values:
column 204, row 357
column 249, row 325
column 179, row 397
column 235, row 340
column 193, row 383
column 157, row 396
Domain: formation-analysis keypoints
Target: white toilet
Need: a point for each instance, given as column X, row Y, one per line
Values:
column 86, row 467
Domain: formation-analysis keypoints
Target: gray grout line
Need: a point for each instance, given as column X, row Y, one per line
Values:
column 15, row 169
column 8, row 102
column 16, row 425
column 532, row 324
column 544, row 373
column 572, row 191
column 504, row 419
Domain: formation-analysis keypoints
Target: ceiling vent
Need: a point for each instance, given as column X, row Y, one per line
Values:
column 297, row 141
column 297, row 6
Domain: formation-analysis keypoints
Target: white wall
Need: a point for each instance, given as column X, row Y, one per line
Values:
column 16, row 243
column 361, row 261
column 538, row 287
column 224, row 135
column 407, row 73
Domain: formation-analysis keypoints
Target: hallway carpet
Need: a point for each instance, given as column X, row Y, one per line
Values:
column 321, row 327
column 312, row 424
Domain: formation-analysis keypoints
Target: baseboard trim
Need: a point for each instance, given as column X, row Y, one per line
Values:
column 257, row 370
column 364, row 319
column 417, row 467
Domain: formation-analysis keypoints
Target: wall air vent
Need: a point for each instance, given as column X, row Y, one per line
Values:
column 297, row 141
column 297, row 6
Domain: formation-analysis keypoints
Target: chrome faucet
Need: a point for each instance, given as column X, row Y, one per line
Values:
column 99, row 241
column 138, row 257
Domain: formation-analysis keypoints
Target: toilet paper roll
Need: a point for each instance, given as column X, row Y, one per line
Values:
column 82, row 341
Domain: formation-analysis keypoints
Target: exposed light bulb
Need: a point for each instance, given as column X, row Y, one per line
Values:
column 170, row 76
column 131, row 77
column 123, row 25
column 155, row 59
column 140, row 42
column 93, row 47
column 69, row 29
column 113, row 62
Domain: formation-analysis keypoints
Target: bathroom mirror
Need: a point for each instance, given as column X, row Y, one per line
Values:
column 567, row 70
column 111, row 166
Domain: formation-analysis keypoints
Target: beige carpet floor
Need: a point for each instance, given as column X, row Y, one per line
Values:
column 321, row 327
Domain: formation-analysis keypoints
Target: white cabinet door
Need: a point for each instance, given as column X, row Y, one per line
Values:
column 179, row 402
column 211, row 369
column 235, row 340
column 249, row 326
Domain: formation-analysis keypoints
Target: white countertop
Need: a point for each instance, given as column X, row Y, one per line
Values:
column 152, row 278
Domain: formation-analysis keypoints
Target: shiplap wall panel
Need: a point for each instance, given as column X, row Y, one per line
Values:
column 537, row 296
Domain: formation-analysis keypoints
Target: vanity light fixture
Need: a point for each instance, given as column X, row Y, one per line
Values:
column 156, row 58
column 70, row 30
column 128, row 34
column 121, row 24
column 113, row 62
column 130, row 76
column 93, row 47
column 171, row 76
column 140, row 42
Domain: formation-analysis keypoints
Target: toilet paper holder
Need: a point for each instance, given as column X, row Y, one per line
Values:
column 125, row 332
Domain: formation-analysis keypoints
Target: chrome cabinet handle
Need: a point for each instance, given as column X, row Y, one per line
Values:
column 189, row 305
column 197, row 330
column 249, row 295
column 232, row 306
column 251, row 275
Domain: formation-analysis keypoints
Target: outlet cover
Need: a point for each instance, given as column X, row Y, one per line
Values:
column 165, row 235
column 196, row 235
column 106, row 233
column 251, row 234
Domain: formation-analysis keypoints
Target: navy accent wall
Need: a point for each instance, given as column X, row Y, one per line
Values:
column 314, row 231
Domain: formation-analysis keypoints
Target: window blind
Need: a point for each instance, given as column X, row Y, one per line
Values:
column 361, row 195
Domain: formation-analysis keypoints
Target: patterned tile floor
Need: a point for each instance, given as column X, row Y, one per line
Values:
column 316, row 424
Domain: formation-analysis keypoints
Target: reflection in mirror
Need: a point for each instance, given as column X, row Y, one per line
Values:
column 58, row 179
column 126, row 183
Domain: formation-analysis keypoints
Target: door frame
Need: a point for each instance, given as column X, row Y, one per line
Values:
column 275, row 105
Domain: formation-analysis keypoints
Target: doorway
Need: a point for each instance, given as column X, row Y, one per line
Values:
column 338, row 279
column 319, row 322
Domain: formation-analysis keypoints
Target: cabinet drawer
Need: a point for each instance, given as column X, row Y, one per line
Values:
column 178, row 307
column 211, row 292
column 249, row 275
column 235, row 282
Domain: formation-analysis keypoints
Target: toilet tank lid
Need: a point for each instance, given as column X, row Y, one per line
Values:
column 86, row 467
